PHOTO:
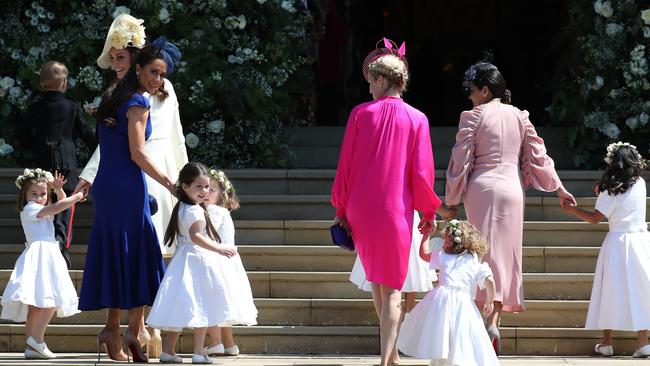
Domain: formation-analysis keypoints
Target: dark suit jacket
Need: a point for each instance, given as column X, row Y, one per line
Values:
column 51, row 125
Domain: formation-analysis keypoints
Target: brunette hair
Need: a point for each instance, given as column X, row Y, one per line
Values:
column 22, row 201
column 121, row 90
column 53, row 73
column 187, row 175
column 623, row 171
column 470, row 239
column 486, row 74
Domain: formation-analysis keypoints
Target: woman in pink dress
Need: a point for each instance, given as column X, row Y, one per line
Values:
column 385, row 171
column 497, row 155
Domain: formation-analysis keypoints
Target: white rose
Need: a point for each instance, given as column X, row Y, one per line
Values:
column 5, row 148
column 632, row 122
column 191, row 140
column 215, row 126
column 645, row 16
column 599, row 82
column 457, row 239
column 453, row 222
column 242, row 21
column 612, row 29
column 643, row 118
column 121, row 10
column 7, row 82
column 611, row 130
column 164, row 15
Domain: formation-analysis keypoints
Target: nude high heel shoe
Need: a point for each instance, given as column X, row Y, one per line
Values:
column 154, row 347
column 135, row 347
column 111, row 342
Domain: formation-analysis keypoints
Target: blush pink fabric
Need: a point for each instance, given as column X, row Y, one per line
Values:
column 496, row 156
column 385, row 171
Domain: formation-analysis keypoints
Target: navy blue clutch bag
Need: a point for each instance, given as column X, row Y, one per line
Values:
column 153, row 205
column 341, row 238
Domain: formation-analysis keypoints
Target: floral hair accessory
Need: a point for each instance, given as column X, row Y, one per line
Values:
column 455, row 231
column 390, row 48
column 472, row 72
column 37, row 174
column 126, row 31
column 170, row 52
column 613, row 148
column 220, row 176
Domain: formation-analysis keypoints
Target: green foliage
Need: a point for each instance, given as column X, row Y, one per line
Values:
column 240, row 60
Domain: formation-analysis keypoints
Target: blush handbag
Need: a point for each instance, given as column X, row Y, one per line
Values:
column 341, row 238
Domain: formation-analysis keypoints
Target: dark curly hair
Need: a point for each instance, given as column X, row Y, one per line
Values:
column 623, row 171
column 486, row 74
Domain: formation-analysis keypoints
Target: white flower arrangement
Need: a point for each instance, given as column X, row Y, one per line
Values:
column 215, row 126
column 223, row 180
column 613, row 148
column 604, row 8
column 38, row 174
column 191, row 140
column 164, row 16
column 455, row 232
column 645, row 16
column 5, row 148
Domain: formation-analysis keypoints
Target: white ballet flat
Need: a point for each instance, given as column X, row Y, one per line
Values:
column 202, row 359
column 642, row 352
column 606, row 351
column 216, row 350
column 40, row 348
column 231, row 351
column 167, row 358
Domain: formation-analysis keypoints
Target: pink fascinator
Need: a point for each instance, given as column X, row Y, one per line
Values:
column 389, row 48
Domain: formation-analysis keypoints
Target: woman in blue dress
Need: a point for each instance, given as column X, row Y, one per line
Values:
column 124, row 265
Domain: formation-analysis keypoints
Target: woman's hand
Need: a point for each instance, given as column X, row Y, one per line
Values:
column 565, row 197
column 226, row 250
column 83, row 186
column 448, row 212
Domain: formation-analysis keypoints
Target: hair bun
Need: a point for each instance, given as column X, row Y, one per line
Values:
column 507, row 97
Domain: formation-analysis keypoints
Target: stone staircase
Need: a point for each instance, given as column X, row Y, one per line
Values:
column 300, row 280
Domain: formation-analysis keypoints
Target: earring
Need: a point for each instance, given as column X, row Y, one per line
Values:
column 137, row 74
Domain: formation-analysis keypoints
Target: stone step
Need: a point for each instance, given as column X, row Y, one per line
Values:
column 319, row 181
column 316, row 232
column 329, row 340
column 361, row 312
column 333, row 259
column 325, row 285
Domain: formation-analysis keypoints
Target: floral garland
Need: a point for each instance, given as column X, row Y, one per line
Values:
column 37, row 174
column 613, row 147
column 455, row 231
column 223, row 180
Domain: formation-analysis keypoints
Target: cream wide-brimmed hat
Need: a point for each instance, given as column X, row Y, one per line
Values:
column 126, row 31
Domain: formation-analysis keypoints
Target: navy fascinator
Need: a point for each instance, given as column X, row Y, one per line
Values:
column 170, row 52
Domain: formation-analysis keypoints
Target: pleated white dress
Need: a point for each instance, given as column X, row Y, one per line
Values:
column 419, row 277
column 446, row 326
column 237, row 284
column 40, row 276
column 620, row 297
column 193, row 293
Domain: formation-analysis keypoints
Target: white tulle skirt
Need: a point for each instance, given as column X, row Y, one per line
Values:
column 447, row 328
column 40, row 278
column 620, row 297
column 195, row 293
column 239, row 290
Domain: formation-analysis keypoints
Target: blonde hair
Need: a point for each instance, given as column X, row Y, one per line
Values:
column 470, row 239
column 392, row 69
column 227, row 197
column 53, row 73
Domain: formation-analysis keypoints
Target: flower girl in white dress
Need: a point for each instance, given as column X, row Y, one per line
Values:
column 419, row 277
column 620, row 297
column 193, row 293
column 221, row 200
column 446, row 326
column 40, row 285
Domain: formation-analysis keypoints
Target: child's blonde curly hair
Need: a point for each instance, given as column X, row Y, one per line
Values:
column 462, row 237
column 227, row 197
column 391, row 68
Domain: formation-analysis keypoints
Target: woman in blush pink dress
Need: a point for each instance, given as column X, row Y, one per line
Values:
column 496, row 156
column 385, row 171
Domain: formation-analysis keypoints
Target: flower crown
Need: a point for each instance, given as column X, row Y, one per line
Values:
column 37, row 174
column 128, row 33
column 220, row 176
column 455, row 232
column 613, row 147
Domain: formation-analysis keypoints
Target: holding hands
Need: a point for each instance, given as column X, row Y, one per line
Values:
column 83, row 186
column 565, row 197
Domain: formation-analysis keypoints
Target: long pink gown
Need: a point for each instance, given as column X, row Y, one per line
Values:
column 385, row 171
column 496, row 156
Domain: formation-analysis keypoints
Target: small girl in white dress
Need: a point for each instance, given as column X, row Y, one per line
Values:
column 620, row 297
column 221, row 200
column 193, row 293
column 419, row 277
column 446, row 326
column 40, row 285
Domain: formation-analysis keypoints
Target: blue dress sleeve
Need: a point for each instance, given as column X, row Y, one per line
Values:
column 138, row 100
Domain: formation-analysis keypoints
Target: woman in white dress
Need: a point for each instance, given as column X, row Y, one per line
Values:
column 419, row 277
column 620, row 297
column 40, row 285
column 194, row 291
column 446, row 326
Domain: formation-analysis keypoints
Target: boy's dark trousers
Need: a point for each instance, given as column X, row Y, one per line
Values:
column 61, row 229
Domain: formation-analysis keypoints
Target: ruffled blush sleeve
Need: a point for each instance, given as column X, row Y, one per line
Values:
column 341, row 187
column 425, row 199
column 462, row 156
column 538, row 169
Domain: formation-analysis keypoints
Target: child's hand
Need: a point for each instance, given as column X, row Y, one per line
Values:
column 569, row 208
column 59, row 181
column 488, row 307
column 427, row 227
column 226, row 250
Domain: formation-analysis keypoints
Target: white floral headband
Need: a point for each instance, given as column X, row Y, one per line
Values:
column 220, row 176
column 455, row 232
column 613, row 147
column 37, row 174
